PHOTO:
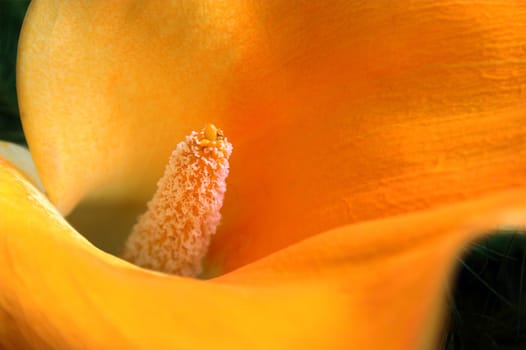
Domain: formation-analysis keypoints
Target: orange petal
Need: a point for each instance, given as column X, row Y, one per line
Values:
column 339, row 111
column 393, row 273
column 345, row 286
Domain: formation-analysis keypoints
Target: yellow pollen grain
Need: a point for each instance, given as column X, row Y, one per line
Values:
column 174, row 234
column 204, row 142
column 210, row 132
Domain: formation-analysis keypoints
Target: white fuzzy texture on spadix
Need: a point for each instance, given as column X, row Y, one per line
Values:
column 174, row 234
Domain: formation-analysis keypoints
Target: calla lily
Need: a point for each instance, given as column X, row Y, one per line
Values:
column 373, row 142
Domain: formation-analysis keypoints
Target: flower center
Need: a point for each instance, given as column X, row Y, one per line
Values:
column 174, row 233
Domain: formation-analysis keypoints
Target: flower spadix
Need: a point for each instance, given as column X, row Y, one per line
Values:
column 174, row 234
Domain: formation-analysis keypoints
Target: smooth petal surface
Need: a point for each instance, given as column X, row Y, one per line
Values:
column 339, row 111
column 337, row 290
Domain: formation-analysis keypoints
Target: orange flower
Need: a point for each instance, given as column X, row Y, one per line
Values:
column 374, row 141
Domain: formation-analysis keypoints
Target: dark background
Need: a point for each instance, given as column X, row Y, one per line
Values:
column 11, row 17
column 487, row 304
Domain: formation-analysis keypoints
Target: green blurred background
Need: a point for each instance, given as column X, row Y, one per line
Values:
column 487, row 307
column 11, row 17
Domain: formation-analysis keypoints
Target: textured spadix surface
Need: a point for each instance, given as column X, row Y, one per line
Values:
column 174, row 234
